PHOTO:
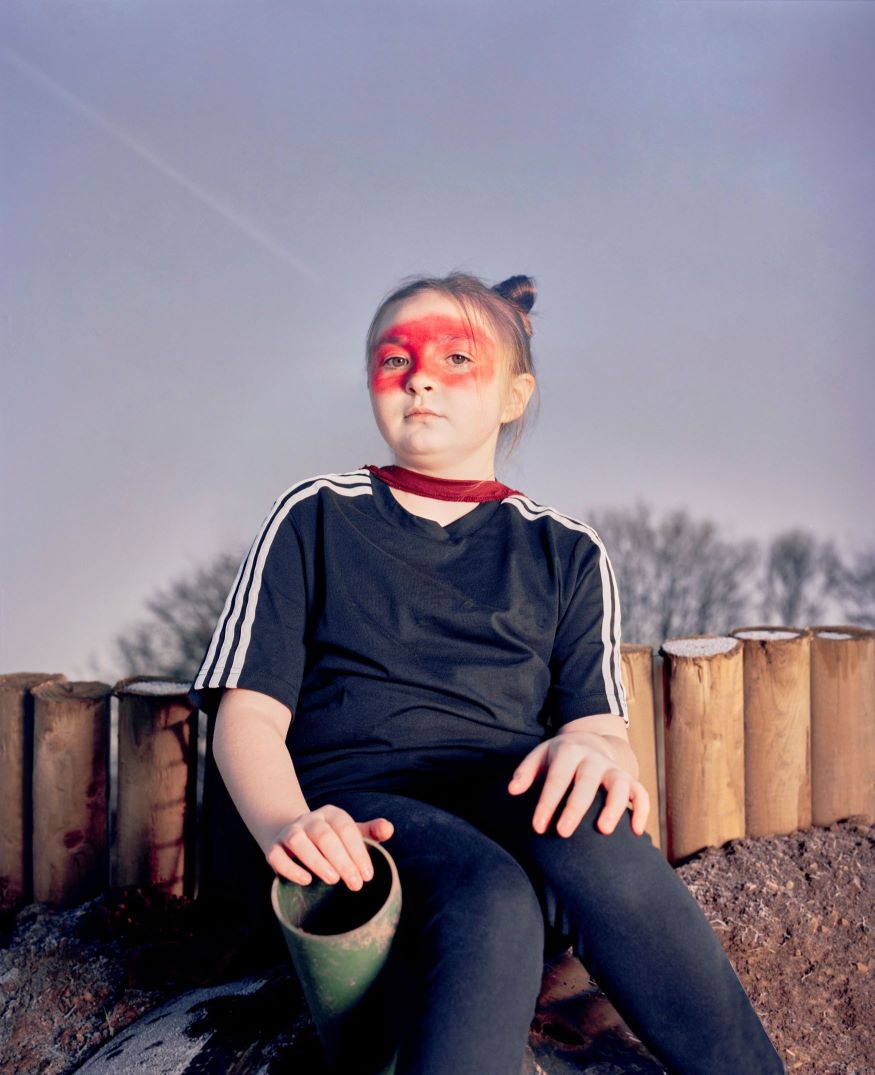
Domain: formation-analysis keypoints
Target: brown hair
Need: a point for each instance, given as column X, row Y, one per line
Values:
column 505, row 308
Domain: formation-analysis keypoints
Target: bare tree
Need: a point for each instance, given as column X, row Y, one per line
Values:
column 853, row 584
column 173, row 640
column 797, row 579
column 676, row 576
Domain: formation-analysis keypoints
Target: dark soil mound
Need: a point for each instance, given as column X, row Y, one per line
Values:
column 793, row 913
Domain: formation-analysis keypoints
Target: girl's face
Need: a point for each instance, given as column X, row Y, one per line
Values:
column 438, row 387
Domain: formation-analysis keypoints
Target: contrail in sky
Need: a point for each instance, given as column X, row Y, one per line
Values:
column 221, row 208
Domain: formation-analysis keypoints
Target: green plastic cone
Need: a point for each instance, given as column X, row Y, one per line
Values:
column 339, row 941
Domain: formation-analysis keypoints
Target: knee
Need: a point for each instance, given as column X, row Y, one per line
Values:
column 503, row 912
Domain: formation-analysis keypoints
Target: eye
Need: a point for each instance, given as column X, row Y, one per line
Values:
column 392, row 360
column 464, row 359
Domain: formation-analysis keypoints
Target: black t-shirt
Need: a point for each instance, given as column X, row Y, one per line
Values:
column 402, row 646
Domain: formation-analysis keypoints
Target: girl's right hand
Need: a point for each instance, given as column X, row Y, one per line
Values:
column 330, row 844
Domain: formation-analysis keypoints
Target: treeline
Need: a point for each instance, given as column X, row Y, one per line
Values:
column 676, row 576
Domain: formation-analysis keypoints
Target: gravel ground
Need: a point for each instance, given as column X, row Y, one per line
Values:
column 793, row 912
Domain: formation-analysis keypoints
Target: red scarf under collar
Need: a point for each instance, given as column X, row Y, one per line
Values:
column 412, row 481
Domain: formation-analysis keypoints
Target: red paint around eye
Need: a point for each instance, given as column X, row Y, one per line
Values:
column 426, row 343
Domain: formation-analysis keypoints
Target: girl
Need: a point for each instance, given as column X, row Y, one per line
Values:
column 419, row 654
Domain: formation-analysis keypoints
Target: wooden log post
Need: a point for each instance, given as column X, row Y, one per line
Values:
column 70, row 791
column 638, row 682
column 842, row 723
column 156, row 815
column 16, row 780
column 777, row 729
column 703, row 683
column 659, row 721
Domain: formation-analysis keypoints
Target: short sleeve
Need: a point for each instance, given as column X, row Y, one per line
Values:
column 585, row 665
column 258, row 642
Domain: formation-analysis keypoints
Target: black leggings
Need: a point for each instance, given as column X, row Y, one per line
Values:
column 479, row 887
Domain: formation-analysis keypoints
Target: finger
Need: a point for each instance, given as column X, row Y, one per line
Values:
column 300, row 844
column 578, row 802
column 280, row 861
column 559, row 775
column 378, row 829
column 352, row 840
column 527, row 770
column 334, row 847
column 640, row 808
column 616, row 802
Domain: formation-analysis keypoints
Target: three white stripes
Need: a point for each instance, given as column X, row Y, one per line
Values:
column 258, row 553
column 611, row 620
column 350, row 484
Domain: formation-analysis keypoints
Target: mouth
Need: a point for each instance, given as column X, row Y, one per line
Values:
column 421, row 414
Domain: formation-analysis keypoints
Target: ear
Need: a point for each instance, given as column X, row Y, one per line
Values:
column 519, row 393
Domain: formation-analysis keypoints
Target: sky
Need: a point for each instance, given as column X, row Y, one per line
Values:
column 202, row 205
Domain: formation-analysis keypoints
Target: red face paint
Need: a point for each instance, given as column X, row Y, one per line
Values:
column 427, row 345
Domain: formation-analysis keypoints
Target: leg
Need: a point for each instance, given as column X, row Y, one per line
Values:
column 640, row 932
column 469, row 948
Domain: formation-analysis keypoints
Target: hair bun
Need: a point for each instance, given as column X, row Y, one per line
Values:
column 520, row 291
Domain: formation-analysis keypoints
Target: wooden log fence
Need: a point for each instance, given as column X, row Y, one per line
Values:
column 703, row 713
column 638, row 682
column 842, row 722
column 156, row 808
column 70, row 791
column 16, row 780
column 777, row 729
column 762, row 731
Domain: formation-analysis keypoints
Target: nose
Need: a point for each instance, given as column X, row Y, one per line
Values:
column 418, row 379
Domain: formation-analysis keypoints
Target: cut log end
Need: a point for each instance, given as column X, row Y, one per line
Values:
column 153, row 687
column 63, row 691
column 700, row 646
column 767, row 634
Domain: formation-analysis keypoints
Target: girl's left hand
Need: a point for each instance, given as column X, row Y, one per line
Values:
column 579, row 762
